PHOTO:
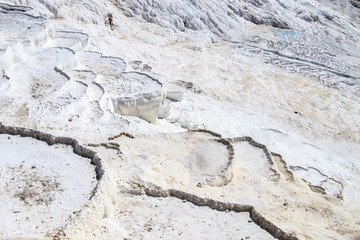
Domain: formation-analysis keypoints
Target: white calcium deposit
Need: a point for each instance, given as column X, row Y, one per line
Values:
column 41, row 186
column 275, row 85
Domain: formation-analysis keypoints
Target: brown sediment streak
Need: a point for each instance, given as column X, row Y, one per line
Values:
column 77, row 149
column 257, row 218
column 255, row 144
column 269, row 155
column 120, row 135
column 110, row 145
column 226, row 172
column 277, row 159
column 283, row 167
column 207, row 131
column 50, row 139
column 319, row 188
column 157, row 192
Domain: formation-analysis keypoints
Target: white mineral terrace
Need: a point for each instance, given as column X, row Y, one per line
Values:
column 170, row 119
column 41, row 186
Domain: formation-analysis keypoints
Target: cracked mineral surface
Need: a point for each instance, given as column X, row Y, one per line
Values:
column 194, row 119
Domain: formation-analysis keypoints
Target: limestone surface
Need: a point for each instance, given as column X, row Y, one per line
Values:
column 168, row 119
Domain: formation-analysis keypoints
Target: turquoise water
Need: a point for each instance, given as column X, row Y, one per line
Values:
column 284, row 35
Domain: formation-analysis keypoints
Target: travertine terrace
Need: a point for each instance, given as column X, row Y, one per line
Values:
column 134, row 119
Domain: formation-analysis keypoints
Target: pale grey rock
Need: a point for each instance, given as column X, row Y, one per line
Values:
column 164, row 111
column 136, row 94
column 107, row 66
column 174, row 92
column 70, row 39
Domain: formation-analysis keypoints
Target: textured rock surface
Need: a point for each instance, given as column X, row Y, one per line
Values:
column 44, row 178
column 275, row 85
column 136, row 94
